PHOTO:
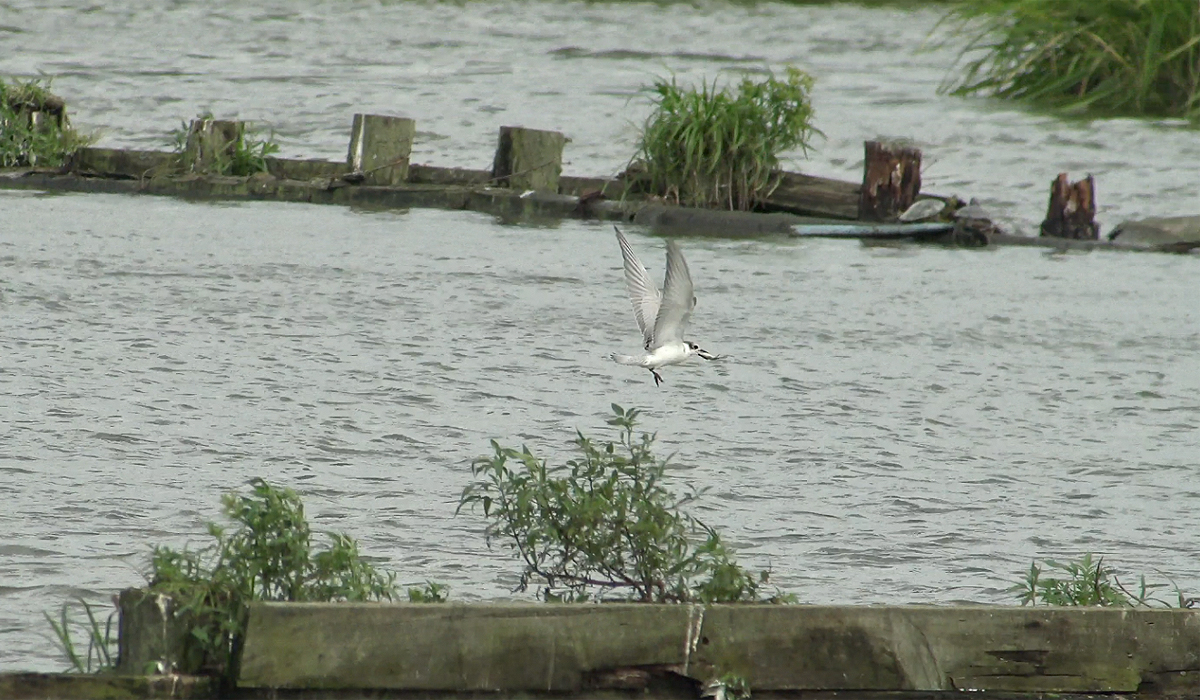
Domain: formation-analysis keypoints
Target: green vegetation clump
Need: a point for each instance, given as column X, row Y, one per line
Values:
column 200, row 149
column 1116, row 56
column 604, row 526
column 268, row 555
column 34, row 129
column 101, row 653
column 1089, row 582
column 720, row 148
column 430, row 593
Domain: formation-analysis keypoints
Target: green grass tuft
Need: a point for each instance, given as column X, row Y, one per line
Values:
column 244, row 156
column 1089, row 582
column 720, row 147
column 101, row 653
column 1131, row 57
column 45, row 141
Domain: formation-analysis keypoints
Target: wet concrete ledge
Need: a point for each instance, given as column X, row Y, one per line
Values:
column 677, row 649
column 529, row 651
column 320, row 182
column 802, row 201
column 67, row 686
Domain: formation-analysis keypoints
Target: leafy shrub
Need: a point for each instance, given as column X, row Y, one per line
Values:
column 1088, row 582
column 1120, row 56
column 25, row 142
column 718, row 147
column 267, row 556
column 604, row 525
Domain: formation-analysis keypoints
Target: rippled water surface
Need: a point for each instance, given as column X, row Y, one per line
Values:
column 891, row 425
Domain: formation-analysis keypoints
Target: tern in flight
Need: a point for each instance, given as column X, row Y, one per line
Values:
column 662, row 317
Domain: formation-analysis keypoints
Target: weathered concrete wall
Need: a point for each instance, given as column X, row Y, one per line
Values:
column 72, row 686
column 568, row 648
column 457, row 647
column 1028, row 649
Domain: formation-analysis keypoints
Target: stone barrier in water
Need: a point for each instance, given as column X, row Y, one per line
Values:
column 622, row 650
column 525, row 181
column 463, row 649
column 574, row 649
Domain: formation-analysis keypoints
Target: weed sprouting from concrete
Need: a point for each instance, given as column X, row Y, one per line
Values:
column 34, row 129
column 268, row 555
column 430, row 593
column 242, row 154
column 1088, row 582
column 720, row 147
column 729, row 686
column 605, row 526
column 100, row 655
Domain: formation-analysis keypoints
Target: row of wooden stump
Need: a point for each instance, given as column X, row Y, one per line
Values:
column 892, row 181
column 531, row 159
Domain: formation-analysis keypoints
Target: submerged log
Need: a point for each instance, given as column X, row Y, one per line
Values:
column 808, row 195
column 528, row 159
column 1072, row 210
column 891, row 180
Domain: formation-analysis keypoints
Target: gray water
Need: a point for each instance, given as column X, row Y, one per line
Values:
column 891, row 424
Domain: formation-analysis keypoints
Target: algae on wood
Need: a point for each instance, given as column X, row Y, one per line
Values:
column 66, row 686
column 380, row 148
column 210, row 144
column 528, row 159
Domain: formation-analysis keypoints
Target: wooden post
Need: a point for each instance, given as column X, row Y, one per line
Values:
column 150, row 637
column 1072, row 210
column 210, row 144
column 891, row 180
column 528, row 159
column 381, row 147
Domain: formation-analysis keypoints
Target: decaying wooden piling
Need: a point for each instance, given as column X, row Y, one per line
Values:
column 151, row 636
column 1072, row 210
column 380, row 148
column 891, row 180
column 210, row 143
column 528, row 159
column 40, row 108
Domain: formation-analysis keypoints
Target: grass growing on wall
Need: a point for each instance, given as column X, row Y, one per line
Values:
column 46, row 140
column 719, row 147
column 1089, row 581
column 1137, row 57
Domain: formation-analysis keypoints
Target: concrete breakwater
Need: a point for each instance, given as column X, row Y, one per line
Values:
column 526, row 181
column 334, row 650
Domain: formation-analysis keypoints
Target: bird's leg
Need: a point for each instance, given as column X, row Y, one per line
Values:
column 657, row 378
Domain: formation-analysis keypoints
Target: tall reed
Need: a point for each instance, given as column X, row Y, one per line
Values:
column 720, row 147
column 1115, row 56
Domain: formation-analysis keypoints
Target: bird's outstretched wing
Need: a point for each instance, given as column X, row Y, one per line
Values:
column 678, row 299
column 642, row 292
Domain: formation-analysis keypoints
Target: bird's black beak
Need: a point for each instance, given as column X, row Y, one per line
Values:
column 706, row 354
